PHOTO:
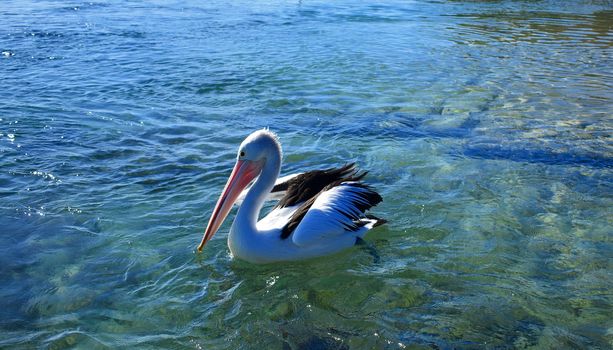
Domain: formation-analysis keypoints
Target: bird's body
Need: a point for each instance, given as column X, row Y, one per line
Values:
column 320, row 212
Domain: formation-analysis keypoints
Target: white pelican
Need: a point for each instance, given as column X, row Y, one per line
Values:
column 321, row 212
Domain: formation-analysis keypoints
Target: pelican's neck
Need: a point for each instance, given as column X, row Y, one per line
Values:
column 248, row 212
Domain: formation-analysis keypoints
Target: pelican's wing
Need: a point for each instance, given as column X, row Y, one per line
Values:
column 339, row 209
column 276, row 219
column 297, row 188
column 303, row 187
column 276, row 193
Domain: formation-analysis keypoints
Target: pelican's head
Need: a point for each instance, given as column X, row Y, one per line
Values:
column 259, row 145
column 250, row 160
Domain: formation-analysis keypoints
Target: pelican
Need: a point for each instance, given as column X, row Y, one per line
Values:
column 319, row 212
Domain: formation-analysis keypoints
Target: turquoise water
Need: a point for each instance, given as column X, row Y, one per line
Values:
column 485, row 125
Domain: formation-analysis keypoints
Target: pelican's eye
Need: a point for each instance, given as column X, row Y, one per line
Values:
column 242, row 154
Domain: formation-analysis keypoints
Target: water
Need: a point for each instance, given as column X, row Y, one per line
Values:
column 485, row 125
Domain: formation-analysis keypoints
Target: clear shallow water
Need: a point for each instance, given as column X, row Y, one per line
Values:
column 486, row 126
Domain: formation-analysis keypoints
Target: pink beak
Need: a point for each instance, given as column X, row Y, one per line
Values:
column 243, row 173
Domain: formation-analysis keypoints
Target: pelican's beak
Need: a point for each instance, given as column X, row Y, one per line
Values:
column 243, row 173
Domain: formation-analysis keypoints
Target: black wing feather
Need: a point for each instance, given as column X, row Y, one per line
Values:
column 306, row 186
column 280, row 187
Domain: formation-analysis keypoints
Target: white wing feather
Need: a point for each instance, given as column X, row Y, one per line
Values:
column 332, row 214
